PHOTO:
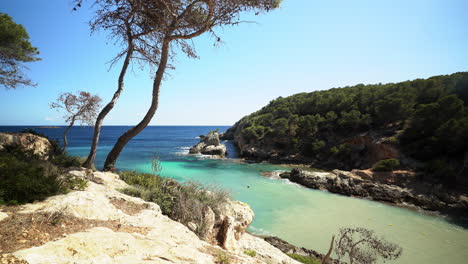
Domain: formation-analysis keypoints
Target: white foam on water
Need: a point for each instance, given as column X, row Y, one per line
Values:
column 259, row 231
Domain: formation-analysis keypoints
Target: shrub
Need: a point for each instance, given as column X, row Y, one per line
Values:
column 303, row 259
column 25, row 178
column 222, row 258
column 66, row 161
column 250, row 252
column 442, row 171
column 386, row 165
column 183, row 202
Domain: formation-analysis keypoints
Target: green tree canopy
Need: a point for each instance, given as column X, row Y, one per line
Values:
column 15, row 49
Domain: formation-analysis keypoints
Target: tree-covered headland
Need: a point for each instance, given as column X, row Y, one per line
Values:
column 422, row 123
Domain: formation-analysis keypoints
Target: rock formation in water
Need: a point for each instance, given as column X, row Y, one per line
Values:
column 209, row 145
column 399, row 187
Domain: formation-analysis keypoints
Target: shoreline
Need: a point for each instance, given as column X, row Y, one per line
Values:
column 342, row 183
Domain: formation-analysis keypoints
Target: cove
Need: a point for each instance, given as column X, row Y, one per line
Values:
column 301, row 216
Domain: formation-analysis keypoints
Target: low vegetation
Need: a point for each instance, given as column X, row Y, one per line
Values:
column 183, row 202
column 26, row 178
column 250, row 252
column 386, row 165
column 223, row 258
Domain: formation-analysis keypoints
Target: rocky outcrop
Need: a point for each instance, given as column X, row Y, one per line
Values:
column 36, row 145
column 377, row 187
column 111, row 227
column 209, row 145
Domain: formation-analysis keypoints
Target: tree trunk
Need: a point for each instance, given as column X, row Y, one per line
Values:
column 132, row 132
column 97, row 127
column 326, row 258
column 65, row 141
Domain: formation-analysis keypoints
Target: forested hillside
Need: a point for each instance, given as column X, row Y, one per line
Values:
column 422, row 123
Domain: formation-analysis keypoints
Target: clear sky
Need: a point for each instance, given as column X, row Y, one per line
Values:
column 304, row 46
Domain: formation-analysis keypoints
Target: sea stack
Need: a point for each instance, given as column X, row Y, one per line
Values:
column 209, row 145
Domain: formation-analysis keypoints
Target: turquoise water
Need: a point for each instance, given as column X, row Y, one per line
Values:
column 299, row 215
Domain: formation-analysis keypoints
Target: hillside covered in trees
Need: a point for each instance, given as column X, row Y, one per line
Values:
column 421, row 123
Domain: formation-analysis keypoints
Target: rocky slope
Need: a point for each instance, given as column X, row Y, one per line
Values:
column 399, row 187
column 102, row 225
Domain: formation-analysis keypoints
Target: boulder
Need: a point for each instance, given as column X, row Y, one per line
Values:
column 233, row 218
column 219, row 150
column 209, row 145
column 39, row 146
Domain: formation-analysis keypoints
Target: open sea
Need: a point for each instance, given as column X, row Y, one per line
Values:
column 299, row 215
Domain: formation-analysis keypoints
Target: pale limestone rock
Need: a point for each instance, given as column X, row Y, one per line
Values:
column 167, row 241
column 38, row 145
column 242, row 215
column 102, row 245
column 234, row 218
column 209, row 219
column 192, row 226
column 228, row 232
column 3, row 216
column 265, row 252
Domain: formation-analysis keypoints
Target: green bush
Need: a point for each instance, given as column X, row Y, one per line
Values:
column 183, row 202
column 441, row 170
column 250, row 252
column 386, row 165
column 303, row 259
column 66, row 161
column 222, row 258
column 25, row 178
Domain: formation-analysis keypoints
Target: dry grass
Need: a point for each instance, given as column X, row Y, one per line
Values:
column 128, row 207
column 20, row 231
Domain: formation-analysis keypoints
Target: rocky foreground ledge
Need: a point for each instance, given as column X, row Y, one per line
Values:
column 103, row 225
column 399, row 187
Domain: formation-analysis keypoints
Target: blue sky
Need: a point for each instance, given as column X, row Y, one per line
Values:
column 304, row 46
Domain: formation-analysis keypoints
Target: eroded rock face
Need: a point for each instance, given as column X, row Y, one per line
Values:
column 37, row 145
column 161, row 240
column 375, row 186
column 209, row 145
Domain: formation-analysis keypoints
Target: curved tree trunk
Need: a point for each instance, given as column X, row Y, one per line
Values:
column 109, row 164
column 97, row 127
column 326, row 258
column 65, row 141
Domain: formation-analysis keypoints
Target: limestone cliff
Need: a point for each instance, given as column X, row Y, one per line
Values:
column 103, row 225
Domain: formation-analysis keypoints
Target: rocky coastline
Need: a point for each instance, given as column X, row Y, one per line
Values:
column 400, row 188
column 98, row 223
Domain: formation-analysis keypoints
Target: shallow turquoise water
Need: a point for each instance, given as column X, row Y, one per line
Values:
column 302, row 216
column 308, row 217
